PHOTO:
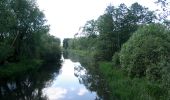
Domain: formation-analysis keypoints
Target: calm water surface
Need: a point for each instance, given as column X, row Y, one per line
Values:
column 69, row 80
column 66, row 86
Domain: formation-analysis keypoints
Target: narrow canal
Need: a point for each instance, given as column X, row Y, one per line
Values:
column 66, row 85
column 75, row 78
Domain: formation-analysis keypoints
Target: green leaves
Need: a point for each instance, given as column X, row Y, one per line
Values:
column 22, row 30
column 145, row 51
column 5, row 52
column 90, row 29
column 117, row 25
column 50, row 49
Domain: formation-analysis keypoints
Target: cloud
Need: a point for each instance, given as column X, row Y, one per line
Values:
column 82, row 91
column 72, row 88
column 55, row 93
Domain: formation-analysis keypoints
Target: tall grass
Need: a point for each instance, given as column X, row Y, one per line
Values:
column 82, row 52
column 124, row 88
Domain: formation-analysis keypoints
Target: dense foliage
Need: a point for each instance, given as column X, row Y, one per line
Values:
column 24, row 33
column 107, row 34
column 117, row 24
column 139, row 46
column 146, row 52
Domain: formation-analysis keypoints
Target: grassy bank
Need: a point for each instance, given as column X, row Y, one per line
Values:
column 81, row 52
column 19, row 68
column 125, row 88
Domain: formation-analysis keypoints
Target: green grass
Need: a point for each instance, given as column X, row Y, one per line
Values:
column 82, row 52
column 13, row 69
column 124, row 88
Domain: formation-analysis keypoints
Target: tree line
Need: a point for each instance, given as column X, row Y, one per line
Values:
column 24, row 33
column 112, row 29
column 134, row 39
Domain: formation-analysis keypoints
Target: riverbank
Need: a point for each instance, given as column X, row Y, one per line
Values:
column 19, row 68
column 81, row 53
column 123, row 87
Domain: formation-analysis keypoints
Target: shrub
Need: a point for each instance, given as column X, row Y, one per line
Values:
column 116, row 60
column 147, row 52
column 52, row 54
column 5, row 52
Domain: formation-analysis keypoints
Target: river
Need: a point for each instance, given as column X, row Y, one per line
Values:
column 70, row 80
column 66, row 85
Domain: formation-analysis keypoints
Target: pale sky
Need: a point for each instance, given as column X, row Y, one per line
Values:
column 66, row 16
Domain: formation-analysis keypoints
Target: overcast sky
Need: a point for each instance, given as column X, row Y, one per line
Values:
column 66, row 16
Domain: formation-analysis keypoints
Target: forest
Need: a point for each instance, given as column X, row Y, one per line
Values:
column 25, row 43
column 131, row 46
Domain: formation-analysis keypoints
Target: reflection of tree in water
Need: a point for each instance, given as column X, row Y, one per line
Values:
column 93, row 82
column 89, row 75
column 28, row 87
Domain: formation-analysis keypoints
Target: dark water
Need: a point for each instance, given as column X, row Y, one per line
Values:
column 76, row 78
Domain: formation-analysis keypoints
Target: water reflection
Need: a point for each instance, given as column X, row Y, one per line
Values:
column 91, row 78
column 28, row 86
column 77, row 79
column 66, row 86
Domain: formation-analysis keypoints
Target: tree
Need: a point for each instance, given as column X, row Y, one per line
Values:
column 106, row 37
column 141, row 14
column 22, row 30
column 90, row 29
column 28, row 28
column 165, row 9
column 65, row 43
column 51, row 51
column 117, row 25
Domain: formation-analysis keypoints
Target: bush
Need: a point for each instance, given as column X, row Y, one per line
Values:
column 51, row 51
column 116, row 60
column 5, row 52
column 147, row 52
column 52, row 54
